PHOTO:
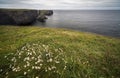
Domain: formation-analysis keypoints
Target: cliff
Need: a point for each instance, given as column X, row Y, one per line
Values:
column 42, row 15
column 22, row 17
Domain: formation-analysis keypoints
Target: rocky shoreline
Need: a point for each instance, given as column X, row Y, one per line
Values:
column 23, row 17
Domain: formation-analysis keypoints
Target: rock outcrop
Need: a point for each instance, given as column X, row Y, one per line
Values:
column 49, row 13
column 22, row 17
column 17, row 17
column 42, row 18
column 43, row 15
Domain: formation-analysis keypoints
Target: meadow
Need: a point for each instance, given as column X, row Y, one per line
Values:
column 37, row 52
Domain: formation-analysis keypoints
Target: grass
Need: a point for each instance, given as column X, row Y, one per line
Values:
column 36, row 52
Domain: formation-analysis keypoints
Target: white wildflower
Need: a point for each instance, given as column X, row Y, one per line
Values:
column 30, row 53
column 47, row 54
column 25, row 66
column 25, row 73
column 46, row 70
column 14, row 69
column 57, row 62
column 39, row 67
column 36, row 62
column 41, row 64
column 37, row 77
column 33, row 58
column 56, row 50
column 34, row 44
column 34, row 52
column 19, row 54
column 43, row 45
column 1, row 70
column 39, row 56
column 33, row 67
column 28, row 64
column 32, row 49
column 49, row 68
column 39, row 61
column 53, row 67
column 5, row 56
column 13, row 59
column 18, row 69
column 10, row 66
column 47, row 60
column 27, row 58
column 50, row 60
column 24, row 59
column 65, row 67
column 6, row 73
column 28, row 70
column 36, row 67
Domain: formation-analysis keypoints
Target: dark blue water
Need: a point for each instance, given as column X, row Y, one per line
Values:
column 104, row 22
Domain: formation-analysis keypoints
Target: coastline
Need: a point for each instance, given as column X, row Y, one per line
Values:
column 41, row 52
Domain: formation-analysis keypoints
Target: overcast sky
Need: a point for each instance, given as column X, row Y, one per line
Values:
column 61, row 4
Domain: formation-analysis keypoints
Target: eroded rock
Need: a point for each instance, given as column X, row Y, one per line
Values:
column 22, row 17
column 17, row 17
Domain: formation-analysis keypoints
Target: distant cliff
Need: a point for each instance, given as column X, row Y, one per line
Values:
column 22, row 17
column 42, row 15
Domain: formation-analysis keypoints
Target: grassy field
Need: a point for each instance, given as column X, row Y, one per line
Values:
column 35, row 52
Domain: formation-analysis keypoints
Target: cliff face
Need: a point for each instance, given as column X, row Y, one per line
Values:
column 17, row 17
column 22, row 17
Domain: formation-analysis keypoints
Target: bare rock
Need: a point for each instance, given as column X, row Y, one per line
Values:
column 17, row 17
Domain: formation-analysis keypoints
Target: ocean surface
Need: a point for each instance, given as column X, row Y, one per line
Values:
column 104, row 22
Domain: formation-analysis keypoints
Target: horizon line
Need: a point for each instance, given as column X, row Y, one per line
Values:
column 61, row 9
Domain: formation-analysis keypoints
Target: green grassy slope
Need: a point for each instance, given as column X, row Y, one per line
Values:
column 81, row 55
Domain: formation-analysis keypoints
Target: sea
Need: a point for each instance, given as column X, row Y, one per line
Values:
column 103, row 22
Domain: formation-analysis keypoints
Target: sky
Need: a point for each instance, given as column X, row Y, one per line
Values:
column 61, row 4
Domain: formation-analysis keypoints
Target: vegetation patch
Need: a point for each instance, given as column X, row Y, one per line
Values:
column 35, row 52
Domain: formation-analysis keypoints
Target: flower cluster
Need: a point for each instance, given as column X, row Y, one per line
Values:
column 34, row 58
